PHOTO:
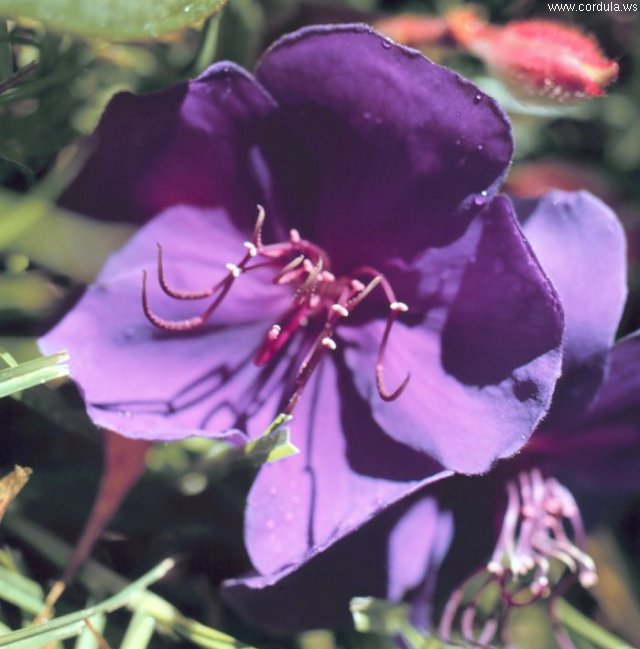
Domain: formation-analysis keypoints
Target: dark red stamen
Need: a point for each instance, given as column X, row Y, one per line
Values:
column 317, row 292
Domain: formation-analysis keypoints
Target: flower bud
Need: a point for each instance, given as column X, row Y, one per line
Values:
column 539, row 60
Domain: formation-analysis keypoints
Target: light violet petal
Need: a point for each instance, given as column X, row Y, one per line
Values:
column 154, row 384
column 371, row 561
column 580, row 244
column 347, row 472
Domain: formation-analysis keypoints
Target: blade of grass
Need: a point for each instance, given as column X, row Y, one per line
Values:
column 139, row 632
column 100, row 579
column 581, row 625
column 18, row 590
column 31, row 373
column 70, row 625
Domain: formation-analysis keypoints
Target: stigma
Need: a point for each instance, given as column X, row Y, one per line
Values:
column 317, row 295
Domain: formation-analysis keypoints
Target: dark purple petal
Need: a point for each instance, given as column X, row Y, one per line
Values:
column 347, row 472
column 598, row 448
column 147, row 383
column 580, row 244
column 388, row 557
column 193, row 143
column 376, row 135
column 483, row 361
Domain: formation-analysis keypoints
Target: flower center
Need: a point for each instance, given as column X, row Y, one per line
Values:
column 317, row 294
column 541, row 546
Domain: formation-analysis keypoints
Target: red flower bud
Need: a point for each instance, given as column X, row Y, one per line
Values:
column 539, row 60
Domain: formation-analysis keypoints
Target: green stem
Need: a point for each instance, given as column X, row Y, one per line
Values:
column 6, row 55
column 575, row 621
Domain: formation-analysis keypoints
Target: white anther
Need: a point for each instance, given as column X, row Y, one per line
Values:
column 330, row 343
column 340, row 310
column 399, row 307
column 588, row 578
column 307, row 266
column 274, row 332
column 236, row 271
column 251, row 248
column 357, row 285
column 294, row 236
column 495, row 568
column 327, row 276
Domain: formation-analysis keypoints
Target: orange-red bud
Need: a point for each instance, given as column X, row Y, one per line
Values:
column 539, row 60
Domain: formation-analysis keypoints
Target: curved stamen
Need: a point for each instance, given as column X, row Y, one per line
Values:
column 190, row 323
column 309, row 285
column 385, row 395
column 290, row 271
column 363, row 293
column 388, row 290
column 257, row 229
column 176, row 293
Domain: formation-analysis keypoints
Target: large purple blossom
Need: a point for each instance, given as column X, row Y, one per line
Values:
column 377, row 170
column 587, row 442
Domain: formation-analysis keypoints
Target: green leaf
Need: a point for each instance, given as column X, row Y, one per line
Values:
column 115, row 19
column 59, row 240
column 274, row 444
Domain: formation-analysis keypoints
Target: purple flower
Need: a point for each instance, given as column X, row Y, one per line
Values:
column 377, row 171
column 586, row 442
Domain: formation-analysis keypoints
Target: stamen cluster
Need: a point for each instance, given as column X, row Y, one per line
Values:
column 316, row 291
column 541, row 545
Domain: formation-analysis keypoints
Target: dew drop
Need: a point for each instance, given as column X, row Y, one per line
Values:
column 480, row 199
column 480, row 147
column 386, row 43
column 477, row 99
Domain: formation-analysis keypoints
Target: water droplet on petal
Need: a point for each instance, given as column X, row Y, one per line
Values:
column 480, row 147
column 386, row 43
column 477, row 99
column 480, row 199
